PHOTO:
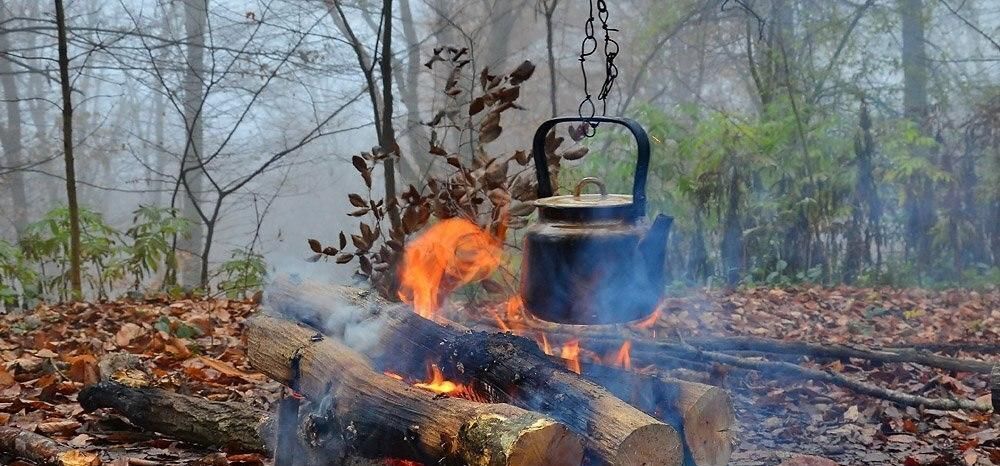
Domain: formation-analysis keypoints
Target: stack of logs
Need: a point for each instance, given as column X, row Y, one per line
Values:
column 332, row 344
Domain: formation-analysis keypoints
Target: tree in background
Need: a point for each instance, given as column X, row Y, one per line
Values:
column 67, row 127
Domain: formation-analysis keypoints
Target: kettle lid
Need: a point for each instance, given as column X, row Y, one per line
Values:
column 579, row 207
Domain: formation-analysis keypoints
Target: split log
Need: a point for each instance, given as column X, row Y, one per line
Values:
column 231, row 425
column 396, row 419
column 507, row 367
column 42, row 450
column 703, row 414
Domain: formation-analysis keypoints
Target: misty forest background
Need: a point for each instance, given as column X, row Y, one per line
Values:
column 204, row 141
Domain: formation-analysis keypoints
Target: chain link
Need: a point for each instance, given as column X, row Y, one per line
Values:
column 588, row 47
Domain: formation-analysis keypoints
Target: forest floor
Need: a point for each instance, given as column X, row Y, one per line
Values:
column 194, row 347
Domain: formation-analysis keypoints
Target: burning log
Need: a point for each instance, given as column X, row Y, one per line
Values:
column 505, row 366
column 392, row 418
column 703, row 414
column 42, row 450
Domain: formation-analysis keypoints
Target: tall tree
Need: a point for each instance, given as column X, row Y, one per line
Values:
column 919, row 204
column 67, row 125
column 11, row 133
column 192, row 169
column 548, row 8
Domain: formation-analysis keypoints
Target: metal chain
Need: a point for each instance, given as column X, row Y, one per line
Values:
column 588, row 47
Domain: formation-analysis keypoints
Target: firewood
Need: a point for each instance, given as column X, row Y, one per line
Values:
column 42, row 450
column 397, row 420
column 703, row 414
column 310, row 447
column 507, row 367
column 232, row 425
column 615, row 334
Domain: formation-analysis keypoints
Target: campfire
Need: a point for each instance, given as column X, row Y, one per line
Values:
column 478, row 383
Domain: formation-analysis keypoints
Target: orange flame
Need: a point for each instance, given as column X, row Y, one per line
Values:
column 648, row 322
column 449, row 254
column 515, row 308
column 393, row 375
column 571, row 353
column 438, row 384
column 545, row 346
column 623, row 358
column 500, row 323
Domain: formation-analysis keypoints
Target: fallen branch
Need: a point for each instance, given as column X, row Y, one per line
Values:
column 788, row 369
column 42, row 450
column 614, row 334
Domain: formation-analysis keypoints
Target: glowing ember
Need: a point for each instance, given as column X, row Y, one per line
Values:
column 393, row 375
column 399, row 462
column 449, row 254
column 438, row 384
column 571, row 353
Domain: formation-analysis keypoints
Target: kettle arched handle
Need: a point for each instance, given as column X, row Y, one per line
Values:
column 641, row 167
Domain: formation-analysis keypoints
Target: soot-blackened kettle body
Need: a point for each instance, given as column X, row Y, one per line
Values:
column 592, row 258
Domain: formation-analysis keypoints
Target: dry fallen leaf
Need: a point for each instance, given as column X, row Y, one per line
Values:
column 127, row 333
column 58, row 427
column 79, row 458
column 851, row 415
column 6, row 380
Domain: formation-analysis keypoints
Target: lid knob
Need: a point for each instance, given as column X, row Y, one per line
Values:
column 594, row 181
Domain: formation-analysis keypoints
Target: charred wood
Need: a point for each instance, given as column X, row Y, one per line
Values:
column 504, row 366
column 380, row 414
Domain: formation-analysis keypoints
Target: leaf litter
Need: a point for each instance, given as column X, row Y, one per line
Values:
column 193, row 346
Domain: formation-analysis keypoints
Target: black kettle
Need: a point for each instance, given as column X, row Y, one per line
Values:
column 592, row 258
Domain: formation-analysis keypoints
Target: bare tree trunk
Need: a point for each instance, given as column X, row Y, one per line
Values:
column 548, row 9
column 191, row 179
column 11, row 135
column 415, row 165
column 919, row 205
column 388, row 142
column 732, row 237
column 67, row 124
column 502, row 17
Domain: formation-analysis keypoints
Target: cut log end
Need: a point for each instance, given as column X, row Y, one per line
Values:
column 521, row 441
column 708, row 422
column 648, row 445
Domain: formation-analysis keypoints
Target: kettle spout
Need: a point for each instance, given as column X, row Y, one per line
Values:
column 653, row 248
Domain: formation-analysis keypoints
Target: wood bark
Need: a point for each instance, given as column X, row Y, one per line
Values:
column 11, row 135
column 230, row 425
column 75, row 281
column 702, row 414
column 396, row 419
column 613, row 336
column 193, row 267
column 42, row 450
column 507, row 367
